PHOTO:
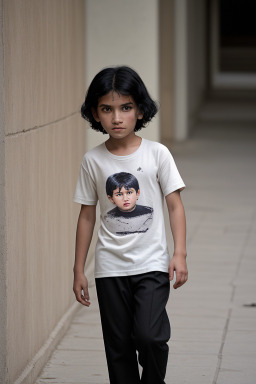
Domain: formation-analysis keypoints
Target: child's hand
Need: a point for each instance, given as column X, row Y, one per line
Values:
column 80, row 288
column 179, row 265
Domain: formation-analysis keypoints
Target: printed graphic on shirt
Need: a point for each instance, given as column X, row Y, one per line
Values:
column 127, row 217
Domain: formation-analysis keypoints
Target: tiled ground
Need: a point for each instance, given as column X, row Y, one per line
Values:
column 213, row 325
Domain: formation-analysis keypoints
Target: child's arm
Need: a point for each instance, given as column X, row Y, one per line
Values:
column 84, row 232
column 178, row 227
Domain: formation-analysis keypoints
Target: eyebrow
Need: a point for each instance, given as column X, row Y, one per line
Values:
column 122, row 105
column 129, row 189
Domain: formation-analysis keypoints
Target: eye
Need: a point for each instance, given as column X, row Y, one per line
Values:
column 119, row 194
column 127, row 108
column 105, row 109
column 129, row 192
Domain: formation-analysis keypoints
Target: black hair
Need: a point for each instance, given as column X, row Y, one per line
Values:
column 125, row 81
column 119, row 180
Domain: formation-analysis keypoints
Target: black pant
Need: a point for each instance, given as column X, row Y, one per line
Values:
column 134, row 318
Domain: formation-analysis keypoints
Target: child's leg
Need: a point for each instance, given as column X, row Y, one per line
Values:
column 116, row 303
column 151, row 324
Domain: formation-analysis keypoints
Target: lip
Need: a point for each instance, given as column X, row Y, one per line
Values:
column 126, row 204
column 118, row 128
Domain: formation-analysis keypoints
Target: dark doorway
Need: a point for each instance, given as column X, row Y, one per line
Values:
column 237, row 36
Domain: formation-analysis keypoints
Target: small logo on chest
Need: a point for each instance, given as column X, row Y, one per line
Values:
column 140, row 169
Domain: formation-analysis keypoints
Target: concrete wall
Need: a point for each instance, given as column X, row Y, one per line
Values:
column 182, row 38
column 180, row 69
column 121, row 32
column 166, row 69
column 3, row 298
column 182, row 63
column 44, row 138
column 196, row 58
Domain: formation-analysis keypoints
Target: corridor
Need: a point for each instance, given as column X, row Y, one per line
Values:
column 213, row 316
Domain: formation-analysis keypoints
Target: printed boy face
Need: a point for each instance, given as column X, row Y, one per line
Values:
column 125, row 199
column 117, row 114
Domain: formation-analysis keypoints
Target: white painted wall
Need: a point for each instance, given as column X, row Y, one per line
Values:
column 180, row 70
column 121, row 32
column 189, row 64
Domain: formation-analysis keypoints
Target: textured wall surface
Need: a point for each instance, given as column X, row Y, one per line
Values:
column 166, row 69
column 44, row 142
column 3, row 299
column 197, row 56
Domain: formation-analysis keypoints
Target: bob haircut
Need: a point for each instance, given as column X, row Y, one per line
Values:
column 124, row 81
column 119, row 180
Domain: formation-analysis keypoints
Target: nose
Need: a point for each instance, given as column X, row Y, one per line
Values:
column 117, row 118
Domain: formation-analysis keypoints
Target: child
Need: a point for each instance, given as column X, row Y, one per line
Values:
column 132, row 270
column 128, row 217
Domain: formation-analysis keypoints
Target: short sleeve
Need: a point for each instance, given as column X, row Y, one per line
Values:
column 85, row 192
column 168, row 175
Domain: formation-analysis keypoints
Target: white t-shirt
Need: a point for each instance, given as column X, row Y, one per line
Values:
column 131, row 239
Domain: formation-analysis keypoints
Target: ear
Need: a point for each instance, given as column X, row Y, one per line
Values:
column 140, row 115
column 138, row 194
column 95, row 115
column 110, row 199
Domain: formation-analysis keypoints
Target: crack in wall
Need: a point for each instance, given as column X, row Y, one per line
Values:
column 41, row 126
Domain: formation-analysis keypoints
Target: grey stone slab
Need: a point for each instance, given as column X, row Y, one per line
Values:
column 245, row 294
column 249, row 251
column 215, row 252
column 247, row 269
column 83, row 330
column 237, row 369
column 192, row 291
column 81, row 343
column 189, row 335
column 77, row 358
column 88, row 315
column 193, row 311
column 195, row 347
column 243, row 319
column 74, row 374
column 240, row 343
column 94, row 380
column 186, row 369
column 212, row 307
column 196, row 361
column 197, row 322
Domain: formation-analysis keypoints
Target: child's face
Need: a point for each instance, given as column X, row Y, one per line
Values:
column 117, row 114
column 125, row 199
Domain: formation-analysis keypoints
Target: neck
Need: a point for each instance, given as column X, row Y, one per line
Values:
column 124, row 146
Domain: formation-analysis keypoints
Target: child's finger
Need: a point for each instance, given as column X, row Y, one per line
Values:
column 178, row 283
column 85, row 294
column 171, row 273
column 180, row 280
column 85, row 297
column 81, row 297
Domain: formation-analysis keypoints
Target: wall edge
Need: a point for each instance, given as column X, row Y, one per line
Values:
column 34, row 368
column 3, row 249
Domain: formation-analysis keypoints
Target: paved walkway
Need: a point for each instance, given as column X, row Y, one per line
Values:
column 213, row 316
